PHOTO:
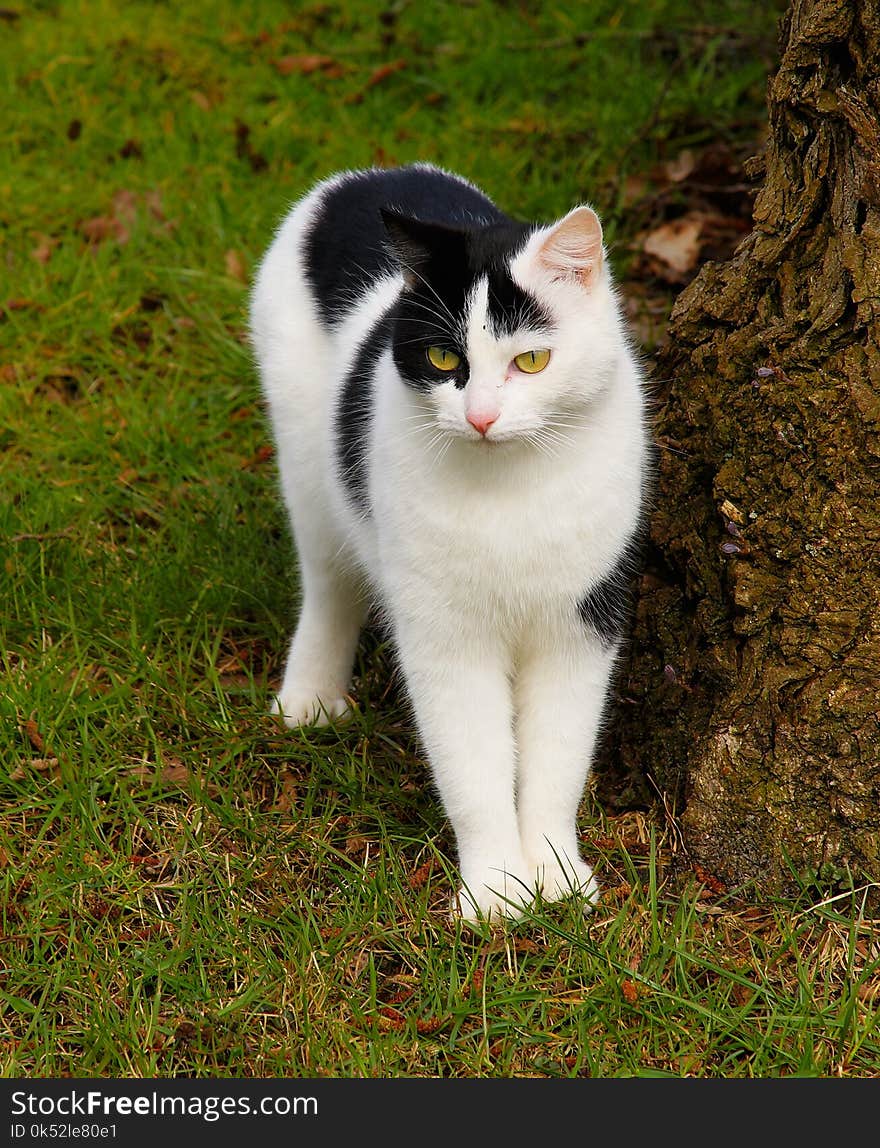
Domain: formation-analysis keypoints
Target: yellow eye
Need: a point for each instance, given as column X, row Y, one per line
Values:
column 442, row 359
column 532, row 361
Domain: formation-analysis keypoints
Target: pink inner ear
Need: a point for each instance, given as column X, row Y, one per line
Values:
column 574, row 246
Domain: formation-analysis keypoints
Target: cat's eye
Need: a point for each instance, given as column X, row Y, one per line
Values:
column 532, row 361
column 442, row 359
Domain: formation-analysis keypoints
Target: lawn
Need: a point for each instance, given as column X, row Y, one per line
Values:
column 187, row 888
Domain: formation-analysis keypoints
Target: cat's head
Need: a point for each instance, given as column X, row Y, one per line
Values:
column 509, row 330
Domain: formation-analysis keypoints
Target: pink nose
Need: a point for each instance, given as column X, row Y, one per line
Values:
column 480, row 421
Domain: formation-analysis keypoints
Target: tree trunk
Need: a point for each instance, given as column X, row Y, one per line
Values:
column 753, row 683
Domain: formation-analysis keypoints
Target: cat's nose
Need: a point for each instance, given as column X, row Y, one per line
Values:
column 481, row 420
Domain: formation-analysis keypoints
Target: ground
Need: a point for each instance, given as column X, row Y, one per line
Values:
column 186, row 887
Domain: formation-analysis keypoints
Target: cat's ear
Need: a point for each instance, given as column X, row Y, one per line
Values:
column 572, row 249
column 413, row 243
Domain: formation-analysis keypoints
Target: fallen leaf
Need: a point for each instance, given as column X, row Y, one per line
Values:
column 630, row 991
column 426, row 1027
column 384, row 72
column 714, row 885
column 125, row 205
column 263, row 454
column 304, row 65
column 421, row 875
column 101, row 227
column 131, row 149
column 46, row 244
column 287, row 797
column 391, row 1019
column 153, row 200
column 677, row 243
column 43, row 764
column 32, row 732
column 174, row 773
column 235, row 267
column 681, row 167
column 21, row 305
column 377, row 77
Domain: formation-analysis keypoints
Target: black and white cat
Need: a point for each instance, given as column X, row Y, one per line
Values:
column 462, row 438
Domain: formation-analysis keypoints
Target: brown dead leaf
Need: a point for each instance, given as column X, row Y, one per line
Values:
column 153, row 200
column 21, row 305
column 235, row 266
column 384, row 72
column 46, row 244
column 131, row 149
column 714, row 885
column 391, row 1019
column 32, row 732
column 630, row 991
column 428, row 1026
column 681, row 167
column 263, row 454
column 305, row 65
column 421, row 875
column 676, row 244
column 376, row 77
column 287, row 797
column 173, row 773
column 43, row 764
column 117, row 224
column 101, row 227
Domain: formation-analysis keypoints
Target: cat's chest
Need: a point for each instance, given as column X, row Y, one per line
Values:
column 520, row 543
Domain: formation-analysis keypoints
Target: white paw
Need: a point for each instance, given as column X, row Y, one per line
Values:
column 493, row 892
column 559, row 876
column 308, row 707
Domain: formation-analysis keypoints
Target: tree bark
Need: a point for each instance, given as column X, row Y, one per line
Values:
column 752, row 688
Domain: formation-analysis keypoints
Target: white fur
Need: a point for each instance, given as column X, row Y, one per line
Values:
column 477, row 550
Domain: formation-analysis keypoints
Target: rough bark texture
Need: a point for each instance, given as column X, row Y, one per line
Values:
column 753, row 686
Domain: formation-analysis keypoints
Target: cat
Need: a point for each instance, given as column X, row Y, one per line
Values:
column 461, row 434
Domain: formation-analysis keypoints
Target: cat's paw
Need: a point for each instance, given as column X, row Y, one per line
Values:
column 299, row 707
column 558, row 876
column 493, row 893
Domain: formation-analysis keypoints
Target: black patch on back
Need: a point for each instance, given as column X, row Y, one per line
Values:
column 607, row 607
column 354, row 412
column 347, row 246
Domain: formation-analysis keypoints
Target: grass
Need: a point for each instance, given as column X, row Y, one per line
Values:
column 186, row 888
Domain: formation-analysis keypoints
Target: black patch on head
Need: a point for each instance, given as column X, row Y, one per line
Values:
column 354, row 411
column 607, row 607
column 510, row 307
column 347, row 248
column 442, row 265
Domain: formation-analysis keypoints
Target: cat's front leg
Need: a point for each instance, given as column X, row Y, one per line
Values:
column 561, row 687
column 459, row 686
column 319, row 662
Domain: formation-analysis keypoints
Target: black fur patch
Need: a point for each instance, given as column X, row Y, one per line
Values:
column 606, row 609
column 510, row 307
column 347, row 245
column 445, row 235
column 354, row 412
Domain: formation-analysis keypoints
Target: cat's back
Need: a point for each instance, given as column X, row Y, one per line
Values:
column 344, row 243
